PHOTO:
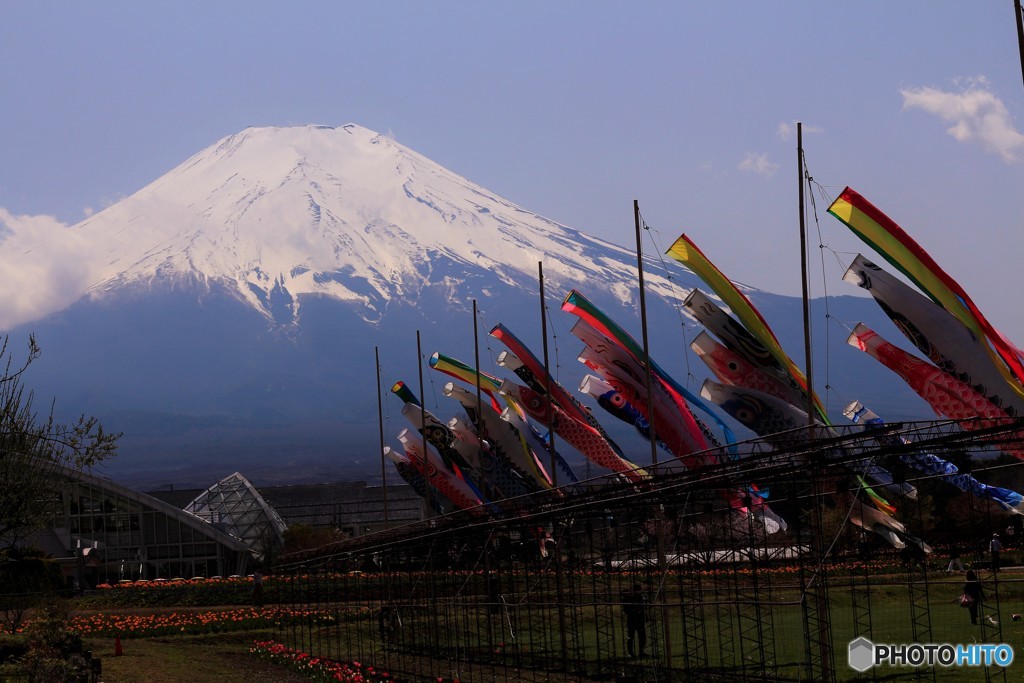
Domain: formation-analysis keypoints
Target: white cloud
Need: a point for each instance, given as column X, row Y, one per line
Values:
column 44, row 267
column 976, row 114
column 785, row 131
column 759, row 164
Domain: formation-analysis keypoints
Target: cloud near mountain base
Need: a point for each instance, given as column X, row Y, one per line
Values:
column 44, row 267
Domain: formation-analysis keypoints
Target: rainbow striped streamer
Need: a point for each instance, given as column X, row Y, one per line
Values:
column 580, row 306
column 687, row 253
column 899, row 249
column 454, row 368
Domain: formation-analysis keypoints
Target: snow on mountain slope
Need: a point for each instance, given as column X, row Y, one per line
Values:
column 314, row 249
column 341, row 212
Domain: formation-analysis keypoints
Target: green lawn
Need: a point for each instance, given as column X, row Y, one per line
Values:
column 457, row 636
column 218, row 657
column 748, row 639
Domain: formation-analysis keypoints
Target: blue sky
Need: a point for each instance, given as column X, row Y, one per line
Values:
column 570, row 109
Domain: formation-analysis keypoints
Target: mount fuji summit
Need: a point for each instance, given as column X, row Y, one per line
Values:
column 274, row 215
column 230, row 312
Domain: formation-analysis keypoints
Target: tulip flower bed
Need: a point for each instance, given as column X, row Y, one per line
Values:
column 175, row 593
column 202, row 622
column 370, row 586
column 318, row 668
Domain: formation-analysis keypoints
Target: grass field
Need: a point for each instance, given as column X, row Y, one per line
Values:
column 464, row 640
column 749, row 640
column 177, row 659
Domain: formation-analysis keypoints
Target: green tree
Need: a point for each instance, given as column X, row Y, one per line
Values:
column 26, row 579
column 34, row 450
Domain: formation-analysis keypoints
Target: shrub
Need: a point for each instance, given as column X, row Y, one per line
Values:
column 54, row 650
column 26, row 579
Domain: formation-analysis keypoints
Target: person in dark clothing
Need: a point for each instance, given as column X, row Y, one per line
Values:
column 257, row 589
column 634, row 608
column 972, row 589
column 912, row 555
column 493, row 583
column 995, row 547
column 388, row 622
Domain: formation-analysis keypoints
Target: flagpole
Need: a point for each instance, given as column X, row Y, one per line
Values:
column 820, row 590
column 423, row 431
column 805, row 282
column 643, row 327
column 380, row 426
column 479, row 401
column 1020, row 32
column 547, row 381
column 659, row 536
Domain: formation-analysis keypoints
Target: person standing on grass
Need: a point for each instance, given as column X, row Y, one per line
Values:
column 972, row 589
column 995, row 546
column 954, row 560
column 257, row 590
column 634, row 608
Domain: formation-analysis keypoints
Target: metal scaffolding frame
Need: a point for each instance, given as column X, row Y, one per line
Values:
column 532, row 589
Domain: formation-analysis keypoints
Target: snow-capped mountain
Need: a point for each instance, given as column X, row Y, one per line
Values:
column 276, row 214
column 232, row 310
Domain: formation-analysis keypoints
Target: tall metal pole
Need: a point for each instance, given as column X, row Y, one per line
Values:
column 380, row 425
column 643, row 327
column 547, row 379
column 562, row 627
column 805, row 282
column 820, row 588
column 488, row 576
column 423, row 432
column 666, row 626
column 1020, row 32
column 479, row 401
